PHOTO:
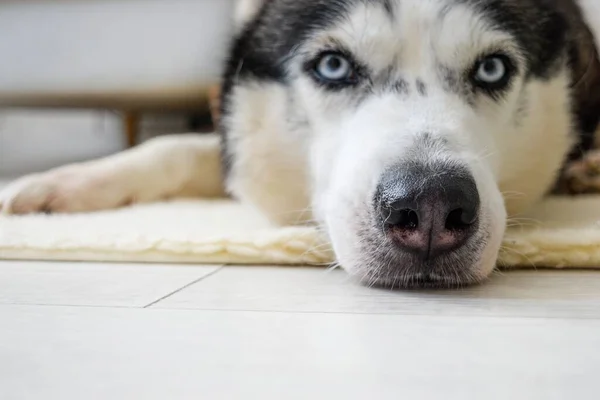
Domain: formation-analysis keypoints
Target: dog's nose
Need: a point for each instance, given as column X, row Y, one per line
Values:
column 428, row 211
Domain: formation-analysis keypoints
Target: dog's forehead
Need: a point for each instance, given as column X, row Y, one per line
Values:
column 540, row 28
column 304, row 16
column 383, row 33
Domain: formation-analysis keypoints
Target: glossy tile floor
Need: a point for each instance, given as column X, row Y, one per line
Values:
column 107, row 331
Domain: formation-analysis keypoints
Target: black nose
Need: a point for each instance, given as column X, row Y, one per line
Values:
column 428, row 210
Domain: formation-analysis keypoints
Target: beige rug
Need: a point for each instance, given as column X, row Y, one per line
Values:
column 560, row 233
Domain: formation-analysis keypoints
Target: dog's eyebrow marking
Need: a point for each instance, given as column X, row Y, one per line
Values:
column 450, row 79
column 421, row 88
column 452, row 83
column 388, row 6
column 400, row 86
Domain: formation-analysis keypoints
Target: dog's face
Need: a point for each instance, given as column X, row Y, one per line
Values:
column 409, row 125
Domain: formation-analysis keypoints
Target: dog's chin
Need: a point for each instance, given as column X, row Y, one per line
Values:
column 418, row 282
column 421, row 281
column 377, row 262
column 405, row 276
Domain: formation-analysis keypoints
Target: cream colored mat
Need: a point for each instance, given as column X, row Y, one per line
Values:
column 561, row 233
column 185, row 231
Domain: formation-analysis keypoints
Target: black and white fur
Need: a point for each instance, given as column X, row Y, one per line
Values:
column 300, row 150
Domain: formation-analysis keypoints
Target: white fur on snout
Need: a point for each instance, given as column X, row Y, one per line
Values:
column 387, row 131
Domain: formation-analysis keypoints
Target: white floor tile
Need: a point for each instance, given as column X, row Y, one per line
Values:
column 78, row 353
column 551, row 294
column 87, row 284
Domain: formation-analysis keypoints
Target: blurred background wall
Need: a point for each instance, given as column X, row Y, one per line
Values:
column 71, row 70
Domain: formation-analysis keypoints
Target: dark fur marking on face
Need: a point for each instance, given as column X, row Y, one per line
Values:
column 585, row 68
column 552, row 32
column 455, row 82
column 401, row 87
column 421, row 88
column 260, row 50
column 538, row 26
column 265, row 46
column 388, row 6
column 539, row 29
column 450, row 79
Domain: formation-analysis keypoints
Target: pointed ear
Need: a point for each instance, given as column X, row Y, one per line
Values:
column 586, row 98
column 587, row 91
column 245, row 11
column 585, row 65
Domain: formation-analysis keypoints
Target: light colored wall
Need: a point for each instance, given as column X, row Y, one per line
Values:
column 84, row 46
column 112, row 45
column 34, row 140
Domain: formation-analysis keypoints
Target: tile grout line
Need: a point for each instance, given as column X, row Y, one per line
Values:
column 305, row 312
column 200, row 279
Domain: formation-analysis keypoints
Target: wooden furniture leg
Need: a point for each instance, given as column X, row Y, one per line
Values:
column 131, row 127
column 214, row 99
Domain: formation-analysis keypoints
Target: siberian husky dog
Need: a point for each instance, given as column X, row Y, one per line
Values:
column 408, row 130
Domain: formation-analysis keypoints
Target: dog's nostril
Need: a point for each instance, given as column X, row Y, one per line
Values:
column 403, row 219
column 460, row 219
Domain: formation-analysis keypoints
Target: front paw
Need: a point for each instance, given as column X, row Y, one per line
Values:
column 582, row 176
column 66, row 190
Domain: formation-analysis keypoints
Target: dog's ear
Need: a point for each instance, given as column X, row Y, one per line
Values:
column 586, row 88
column 245, row 11
column 585, row 63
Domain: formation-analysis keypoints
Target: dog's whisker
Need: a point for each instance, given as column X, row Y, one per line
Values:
column 513, row 195
column 516, row 222
column 504, row 249
column 334, row 266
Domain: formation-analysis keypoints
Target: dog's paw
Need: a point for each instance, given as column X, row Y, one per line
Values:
column 66, row 190
column 582, row 176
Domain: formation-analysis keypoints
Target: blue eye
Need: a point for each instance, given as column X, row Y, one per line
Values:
column 492, row 70
column 334, row 67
